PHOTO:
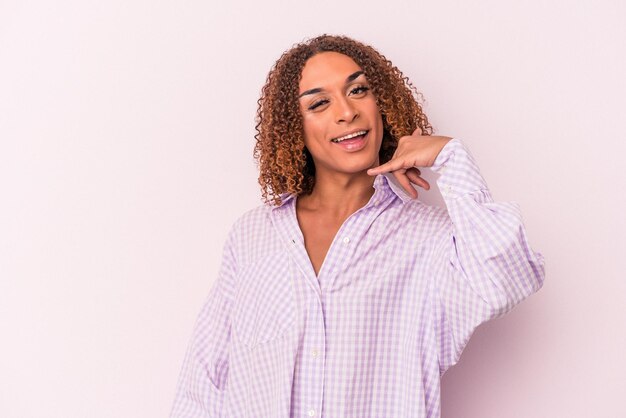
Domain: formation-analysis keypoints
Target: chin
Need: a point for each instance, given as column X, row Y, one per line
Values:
column 358, row 166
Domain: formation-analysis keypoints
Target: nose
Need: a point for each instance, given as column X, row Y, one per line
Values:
column 345, row 111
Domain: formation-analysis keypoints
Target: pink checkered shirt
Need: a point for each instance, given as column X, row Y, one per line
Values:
column 401, row 290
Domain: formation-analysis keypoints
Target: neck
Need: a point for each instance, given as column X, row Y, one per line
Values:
column 339, row 194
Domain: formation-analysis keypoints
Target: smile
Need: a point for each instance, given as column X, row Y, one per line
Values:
column 349, row 136
column 353, row 142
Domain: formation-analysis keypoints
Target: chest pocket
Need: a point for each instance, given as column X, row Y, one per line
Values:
column 265, row 305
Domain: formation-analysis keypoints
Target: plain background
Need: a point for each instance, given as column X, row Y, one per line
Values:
column 126, row 135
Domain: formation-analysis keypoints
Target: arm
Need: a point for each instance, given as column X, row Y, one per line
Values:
column 483, row 264
column 202, row 381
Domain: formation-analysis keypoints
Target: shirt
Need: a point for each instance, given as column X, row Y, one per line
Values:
column 401, row 290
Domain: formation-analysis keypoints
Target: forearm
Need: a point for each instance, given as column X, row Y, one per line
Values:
column 489, row 243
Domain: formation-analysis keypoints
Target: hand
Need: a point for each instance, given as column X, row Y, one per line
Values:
column 413, row 151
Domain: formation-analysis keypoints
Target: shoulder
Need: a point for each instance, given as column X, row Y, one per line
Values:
column 252, row 235
column 418, row 211
column 255, row 216
column 424, row 221
column 249, row 221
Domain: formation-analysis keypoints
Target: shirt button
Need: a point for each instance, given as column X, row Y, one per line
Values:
column 311, row 412
column 314, row 353
column 346, row 240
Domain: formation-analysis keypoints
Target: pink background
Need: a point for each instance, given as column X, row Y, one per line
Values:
column 126, row 153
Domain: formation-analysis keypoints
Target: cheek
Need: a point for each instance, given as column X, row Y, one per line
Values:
column 378, row 115
column 373, row 112
column 378, row 122
column 314, row 131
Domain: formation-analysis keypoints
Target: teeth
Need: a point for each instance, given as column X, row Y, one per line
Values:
column 343, row 138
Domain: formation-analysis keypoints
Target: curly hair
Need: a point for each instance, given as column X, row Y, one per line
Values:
column 285, row 165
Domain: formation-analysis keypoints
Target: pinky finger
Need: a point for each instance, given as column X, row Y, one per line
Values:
column 405, row 183
column 415, row 178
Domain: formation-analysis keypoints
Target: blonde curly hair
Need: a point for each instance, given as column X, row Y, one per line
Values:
column 285, row 165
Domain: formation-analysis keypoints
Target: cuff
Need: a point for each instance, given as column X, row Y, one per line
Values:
column 459, row 173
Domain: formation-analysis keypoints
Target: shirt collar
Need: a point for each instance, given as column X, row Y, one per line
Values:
column 385, row 184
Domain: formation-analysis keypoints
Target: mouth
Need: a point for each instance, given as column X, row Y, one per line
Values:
column 354, row 141
column 353, row 135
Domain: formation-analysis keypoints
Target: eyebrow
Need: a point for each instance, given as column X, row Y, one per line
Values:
column 318, row 89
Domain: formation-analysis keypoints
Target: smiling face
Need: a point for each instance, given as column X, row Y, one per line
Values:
column 343, row 127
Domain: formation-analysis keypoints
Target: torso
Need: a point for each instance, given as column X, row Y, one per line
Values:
column 319, row 232
column 320, row 225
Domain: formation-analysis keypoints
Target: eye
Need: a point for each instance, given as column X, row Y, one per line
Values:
column 318, row 104
column 359, row 89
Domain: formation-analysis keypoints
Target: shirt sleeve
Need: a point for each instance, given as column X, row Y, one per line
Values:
column 202, row 381
column 484, row 265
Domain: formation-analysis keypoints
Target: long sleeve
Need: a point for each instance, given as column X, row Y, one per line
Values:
column 484, row 265
column 202, row 381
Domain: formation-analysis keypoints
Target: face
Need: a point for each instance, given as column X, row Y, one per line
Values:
column 343, row 128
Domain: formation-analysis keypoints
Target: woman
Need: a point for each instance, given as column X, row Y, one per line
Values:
column 344, row 295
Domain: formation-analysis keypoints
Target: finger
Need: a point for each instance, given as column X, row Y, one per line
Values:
column 405, row 183
column 383, row 168
column 417, row 180
column 388, row 167
column 414, row 176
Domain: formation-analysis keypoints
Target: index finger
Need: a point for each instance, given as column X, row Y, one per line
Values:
column 386, row 168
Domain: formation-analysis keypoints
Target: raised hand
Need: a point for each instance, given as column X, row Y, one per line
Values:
column 412, row 152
